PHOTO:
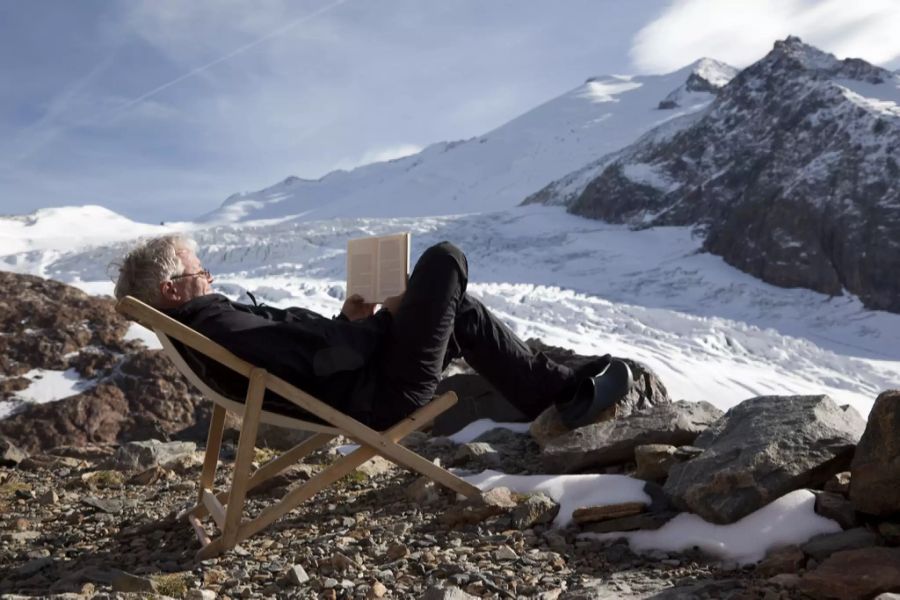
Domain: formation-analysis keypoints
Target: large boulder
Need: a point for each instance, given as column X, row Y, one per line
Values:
column 875, row 470
column 613, row 442
column 762, row 449
column 48, row 324
column 145, row 398
column 126, row 391
column 855, row 574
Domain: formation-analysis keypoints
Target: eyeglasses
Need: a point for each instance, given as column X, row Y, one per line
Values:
column 204, row 273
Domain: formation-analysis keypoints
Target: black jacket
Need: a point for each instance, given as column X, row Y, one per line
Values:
column 332, row 359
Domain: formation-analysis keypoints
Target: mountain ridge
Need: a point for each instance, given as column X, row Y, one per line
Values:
column 790, row 173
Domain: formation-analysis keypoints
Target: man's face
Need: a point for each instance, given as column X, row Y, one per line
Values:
column 191, row 283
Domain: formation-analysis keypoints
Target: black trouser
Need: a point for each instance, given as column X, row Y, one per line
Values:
column 438, row 321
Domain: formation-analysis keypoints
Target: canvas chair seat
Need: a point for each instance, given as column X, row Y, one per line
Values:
column 269, row 399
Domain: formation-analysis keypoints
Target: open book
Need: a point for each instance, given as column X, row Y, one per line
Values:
column 378, row 267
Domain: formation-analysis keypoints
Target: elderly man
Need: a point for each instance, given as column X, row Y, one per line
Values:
column 375, row 366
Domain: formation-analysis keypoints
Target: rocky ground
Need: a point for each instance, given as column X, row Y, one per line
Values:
column 80, row 523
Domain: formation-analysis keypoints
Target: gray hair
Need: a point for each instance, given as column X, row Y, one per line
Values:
column 149, row 264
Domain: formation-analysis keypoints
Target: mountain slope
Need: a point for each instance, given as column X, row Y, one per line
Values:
column 499, row 169
column 792, row 172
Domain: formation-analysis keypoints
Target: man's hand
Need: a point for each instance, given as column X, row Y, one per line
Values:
column 355, row 309
column 393, row 303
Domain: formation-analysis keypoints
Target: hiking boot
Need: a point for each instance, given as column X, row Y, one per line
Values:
column 596, row 394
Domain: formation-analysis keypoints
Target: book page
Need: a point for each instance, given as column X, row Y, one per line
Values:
column 393, row 265
column 361, row 268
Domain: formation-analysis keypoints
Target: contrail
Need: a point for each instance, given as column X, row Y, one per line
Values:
column 233, row 53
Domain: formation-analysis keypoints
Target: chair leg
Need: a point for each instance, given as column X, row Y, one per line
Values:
column 213, row 446
column 242, row 463
column 346, row 464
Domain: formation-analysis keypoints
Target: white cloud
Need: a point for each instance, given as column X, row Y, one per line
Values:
column 740, row 32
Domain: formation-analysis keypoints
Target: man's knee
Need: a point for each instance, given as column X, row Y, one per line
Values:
column 440, row 253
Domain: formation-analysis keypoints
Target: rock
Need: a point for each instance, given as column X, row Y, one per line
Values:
column 504, row 553
column 128, row 583
column 477, row 399
column 648, row 392
column 272, row 436
column 38, row 462
column 378, row 590
column 341, row 562
column 788, row 559
column 762, row 449
column 89, row 452
column 10, row 454
column 822, row 546
column 423, row 491
column 643, row 521
column 143, row 455
column 446, row 593
column 145, row 397
column 786, row 580
column 481, row 453
column 837, row 507
column 653, row 461
column 377, row 465
column 106, row 505
column 198, row 594
column 34, row 565
column 853, row 574
column 890, row 531
column 595, row 514
column 48, row 498
column 397, row 551
column 491, row 503
column 875, row 481
column 839, row 483
column 537, row 509
column 148, row 476
column 297, row 575
column 613, row 442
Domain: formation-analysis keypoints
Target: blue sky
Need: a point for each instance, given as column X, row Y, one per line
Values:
column 160, row 109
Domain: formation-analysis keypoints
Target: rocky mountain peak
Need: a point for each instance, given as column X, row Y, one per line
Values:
column 793, row 54
column 708, row 75
column 791, row 172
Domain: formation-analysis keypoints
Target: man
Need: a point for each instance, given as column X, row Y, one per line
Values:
column 380, row 366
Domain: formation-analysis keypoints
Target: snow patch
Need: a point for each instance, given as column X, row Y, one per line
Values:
column 46, row 386
column 791, row 519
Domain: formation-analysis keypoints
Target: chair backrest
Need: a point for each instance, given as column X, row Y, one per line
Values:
column 168, row 330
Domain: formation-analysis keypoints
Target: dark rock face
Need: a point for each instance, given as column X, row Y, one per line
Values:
column 612, row 442
column 44, row 321
column 792, row 176
column 132, row 393
column 762, row 449
column 875, row 480
column 477, row 399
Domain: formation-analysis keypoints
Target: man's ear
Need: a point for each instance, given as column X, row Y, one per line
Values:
column 169, row 291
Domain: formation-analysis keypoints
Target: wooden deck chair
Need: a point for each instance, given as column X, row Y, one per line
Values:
column 227, row 506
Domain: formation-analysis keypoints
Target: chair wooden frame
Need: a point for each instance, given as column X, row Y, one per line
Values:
column 227, row 507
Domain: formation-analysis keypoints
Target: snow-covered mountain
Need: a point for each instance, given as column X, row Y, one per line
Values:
column 792, row 172
column 496, row 170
